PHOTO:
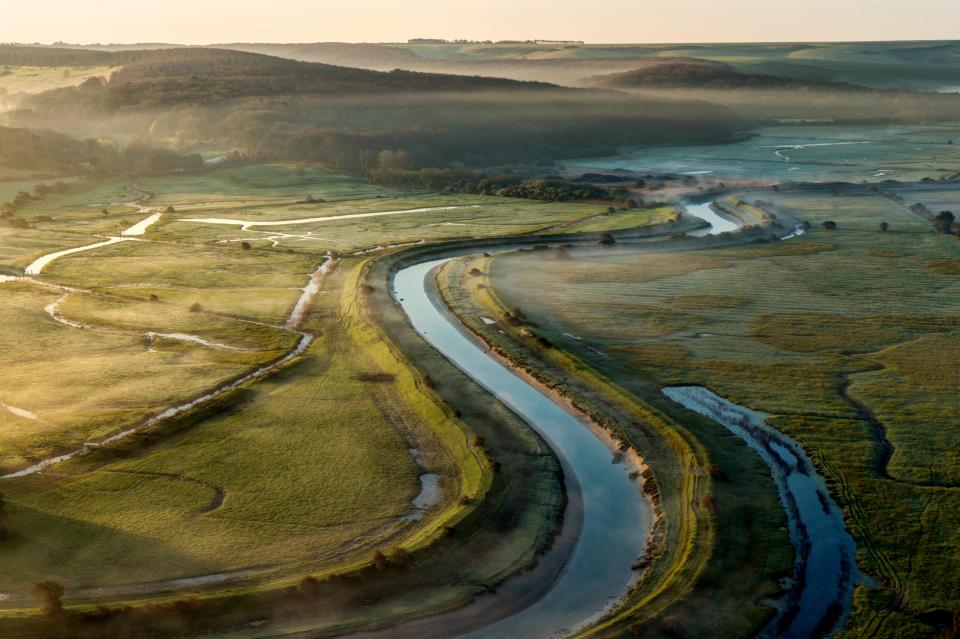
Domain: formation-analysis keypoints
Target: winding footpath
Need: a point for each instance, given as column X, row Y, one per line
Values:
column 246, row 225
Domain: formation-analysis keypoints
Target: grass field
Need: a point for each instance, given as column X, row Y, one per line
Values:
column 305, row 471
column 842, row 336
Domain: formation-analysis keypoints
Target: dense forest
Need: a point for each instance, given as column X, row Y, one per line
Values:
column 51, row 152
column 550, row 189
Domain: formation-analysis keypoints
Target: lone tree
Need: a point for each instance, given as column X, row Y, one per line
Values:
column 829, row 225
column 170, row 209
column 48, row 594
column 884, row 227
column 943, row 222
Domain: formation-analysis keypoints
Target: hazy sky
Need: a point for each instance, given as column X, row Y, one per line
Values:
column 210, row 21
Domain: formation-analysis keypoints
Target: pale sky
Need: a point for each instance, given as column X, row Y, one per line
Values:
column 211, row 21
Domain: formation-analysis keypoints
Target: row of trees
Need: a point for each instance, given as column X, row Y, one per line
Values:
column 52, row 152
column 551, row 189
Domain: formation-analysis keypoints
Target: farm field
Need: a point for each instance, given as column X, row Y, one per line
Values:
column 839, row 335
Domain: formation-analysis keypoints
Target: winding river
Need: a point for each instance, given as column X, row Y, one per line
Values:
column 616, row 520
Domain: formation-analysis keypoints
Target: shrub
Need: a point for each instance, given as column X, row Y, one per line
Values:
column 380, row 560
column 714, row 471
column 48, row 594
column 400, row 557
column 611, row 209
column 170, row 209
column 829, row 225
column 154, row 297
column 195, row 307
column 245, row 245
column 943, row 222
column 607, row 240
column 884, row 226
column 309, row 586
column 476, row 272
column 670, row 626
column 709, row 503
column 380, row 377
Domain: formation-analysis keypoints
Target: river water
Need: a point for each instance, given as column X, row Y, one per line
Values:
column 825, row 551
column 616, row 520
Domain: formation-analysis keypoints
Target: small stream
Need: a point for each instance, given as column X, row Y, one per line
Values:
column 825, row 563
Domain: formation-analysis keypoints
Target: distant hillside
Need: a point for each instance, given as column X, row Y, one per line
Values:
column 704, row 74
column 366, row 56
column 167, row 77
column 36, row 56
column 760, row 97
column 358, row 120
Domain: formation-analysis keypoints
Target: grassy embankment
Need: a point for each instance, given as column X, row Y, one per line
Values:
column 847, row 338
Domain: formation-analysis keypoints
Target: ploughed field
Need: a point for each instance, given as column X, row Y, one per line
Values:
column 847, row 338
